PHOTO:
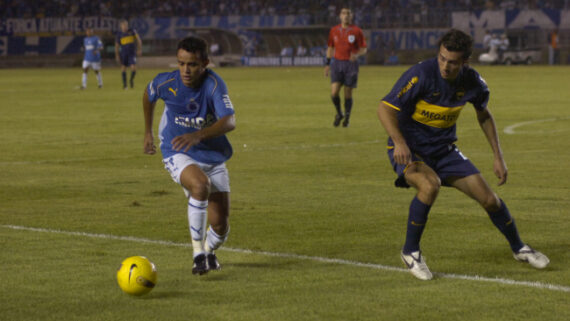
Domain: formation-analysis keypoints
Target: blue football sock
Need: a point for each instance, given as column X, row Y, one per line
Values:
column 506, row 224
column 124, row 75
column 336, row 102
column 417, row 220
column 347, row 106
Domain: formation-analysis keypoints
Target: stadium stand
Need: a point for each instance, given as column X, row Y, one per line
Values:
column 260, row 40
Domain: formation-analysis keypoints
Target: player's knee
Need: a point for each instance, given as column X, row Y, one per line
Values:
column 201, row 185
column 431, row 187
column 220, row 226
column 198, row 185
column 428, row 189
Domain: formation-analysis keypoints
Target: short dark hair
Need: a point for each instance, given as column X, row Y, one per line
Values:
column 458, row 41
column 194, row 45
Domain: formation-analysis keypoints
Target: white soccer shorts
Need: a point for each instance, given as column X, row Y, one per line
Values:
column 92, row 65
column 218, row 174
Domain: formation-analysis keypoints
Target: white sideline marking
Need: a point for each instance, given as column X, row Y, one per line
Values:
column 538, row 285
column 511, row 129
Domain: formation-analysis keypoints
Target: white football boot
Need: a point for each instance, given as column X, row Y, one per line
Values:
column 416, row 264
column 532, row 257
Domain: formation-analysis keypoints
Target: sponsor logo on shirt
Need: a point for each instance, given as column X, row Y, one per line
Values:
column 127, row 40
column 436, row 116
column 196, row 122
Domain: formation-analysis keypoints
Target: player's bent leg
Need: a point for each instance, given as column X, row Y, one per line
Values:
column 193, row 179
column 427, row 183
column 477, row 188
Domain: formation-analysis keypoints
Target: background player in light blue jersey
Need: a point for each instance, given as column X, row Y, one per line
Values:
column 92, row 47
column 128, row 45
column 197, row 115
column 419, row 115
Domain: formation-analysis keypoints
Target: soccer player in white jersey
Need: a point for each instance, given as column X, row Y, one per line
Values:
column 197, row 115
column 92, row 47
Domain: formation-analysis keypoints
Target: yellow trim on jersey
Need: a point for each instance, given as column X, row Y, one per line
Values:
column 216, row 83
column 390, row 105
column 127, row 40
column 389, row 147
column 169, row 80
column 436, row 116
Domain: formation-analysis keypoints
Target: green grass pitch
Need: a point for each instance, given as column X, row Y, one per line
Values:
column 317, row 225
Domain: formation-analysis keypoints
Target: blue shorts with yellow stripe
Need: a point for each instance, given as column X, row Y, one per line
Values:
column 449, row 164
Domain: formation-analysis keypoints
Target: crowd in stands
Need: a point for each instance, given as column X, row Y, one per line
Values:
column 321, row 11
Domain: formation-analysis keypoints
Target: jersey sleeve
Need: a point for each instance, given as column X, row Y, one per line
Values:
column 222, row 104
column 99, row 44
column 406, row 90
column 482, row 99
column 152, row 89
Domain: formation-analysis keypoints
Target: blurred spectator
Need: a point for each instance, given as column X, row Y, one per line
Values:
column 393, row 59
column 301, row 50
column 553, row 47
column 287, row 51
column 487, row 40
column 369, row 13
column 215, row 49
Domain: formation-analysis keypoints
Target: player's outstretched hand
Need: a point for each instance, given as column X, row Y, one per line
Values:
column 148, row 145
column 185, row 141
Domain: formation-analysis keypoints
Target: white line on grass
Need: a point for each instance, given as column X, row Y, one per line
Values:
column 511, row 129
column 538, row 285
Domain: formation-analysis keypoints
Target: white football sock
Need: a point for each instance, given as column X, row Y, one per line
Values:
column 197, row 219
column 84, row 80
column 99, row 79
column 214, row 241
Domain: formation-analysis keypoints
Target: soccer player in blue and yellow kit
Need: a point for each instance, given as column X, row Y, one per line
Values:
column 128, row 45
column 92, row 47
column 419, row 115
column 197, row 115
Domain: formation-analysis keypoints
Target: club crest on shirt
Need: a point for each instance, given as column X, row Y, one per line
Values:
column 192, row 106
column 351, row 38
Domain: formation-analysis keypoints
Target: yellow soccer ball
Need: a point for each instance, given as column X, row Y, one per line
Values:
column 136, row 275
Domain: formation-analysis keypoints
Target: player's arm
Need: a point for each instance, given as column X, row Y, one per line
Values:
column 330, row 53
column 139, row 44
column 219, row 128
column 388, row 116
column 148, row 110
column 488, row 126
column 117, row 52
